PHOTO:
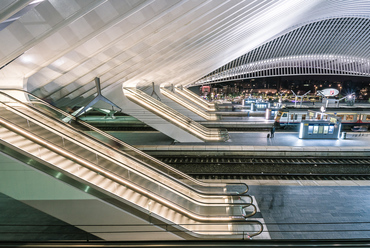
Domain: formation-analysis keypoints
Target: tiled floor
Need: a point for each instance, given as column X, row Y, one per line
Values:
column 314, row 212
column 250, row 141
column 298, row 209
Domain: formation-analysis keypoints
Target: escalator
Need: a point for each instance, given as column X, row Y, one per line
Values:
column 187, row 124
column 115, row 172
column 188, row 94
column 206, row 115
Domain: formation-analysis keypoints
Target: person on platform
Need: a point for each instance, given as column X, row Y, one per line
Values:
column 272, row 132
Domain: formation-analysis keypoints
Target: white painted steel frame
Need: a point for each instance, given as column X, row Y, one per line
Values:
column 328, row 47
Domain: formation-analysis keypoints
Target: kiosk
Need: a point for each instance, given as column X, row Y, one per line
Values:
column 260, row 106
column 320, row 126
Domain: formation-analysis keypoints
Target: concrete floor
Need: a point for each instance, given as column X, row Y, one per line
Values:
column 282, row 138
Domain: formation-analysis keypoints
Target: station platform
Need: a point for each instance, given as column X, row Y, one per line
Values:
column 335, row 211
column 252, row 143
column 290, row 209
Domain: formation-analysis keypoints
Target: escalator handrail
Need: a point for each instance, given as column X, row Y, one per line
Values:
column 163, row 108
column 35, row 161
column 196, row 97
column 176, row 98
column 133, row 170
column 136, row 151
column 115, row 177
column 186, row 120
column 186, row 124
column 198, row 130
column 141, row 153
column 156, row 161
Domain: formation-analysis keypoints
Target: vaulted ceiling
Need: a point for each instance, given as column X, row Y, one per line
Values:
column 60, row 46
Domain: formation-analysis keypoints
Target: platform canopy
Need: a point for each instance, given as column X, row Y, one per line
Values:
column 58, row 47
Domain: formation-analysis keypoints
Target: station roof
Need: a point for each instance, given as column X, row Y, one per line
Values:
column 60, row 46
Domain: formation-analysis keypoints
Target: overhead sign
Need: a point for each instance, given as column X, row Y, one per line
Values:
column 329, row 92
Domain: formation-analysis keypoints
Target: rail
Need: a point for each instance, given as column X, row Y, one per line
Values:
column 119, row 178
column 151, row 218
column 210, row 189
column 97, row 161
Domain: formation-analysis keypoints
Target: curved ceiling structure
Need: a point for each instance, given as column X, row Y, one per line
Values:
column 337, row 46
column 58, row 47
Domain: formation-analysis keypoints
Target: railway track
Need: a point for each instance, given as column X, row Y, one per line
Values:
column 280, row 177
column 264, row 161
column 283, row 168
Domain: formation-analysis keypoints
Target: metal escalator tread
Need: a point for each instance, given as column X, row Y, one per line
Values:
column 14, row 139
column 90, row 176
column 109, row 185
column 85, row 173
column 103, row 160
column 44, row 153
column 6, row 135
column 26, row 145
column 120, row 190
column 98, row 179
column 71, row 167
column 44, row 133
column 128, row 194
column 48, row 155
column 76, row 149
column 142, row 200
column 29, row 146
column 60, row 161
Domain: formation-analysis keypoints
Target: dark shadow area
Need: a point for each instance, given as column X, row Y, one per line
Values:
column 20, row 222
